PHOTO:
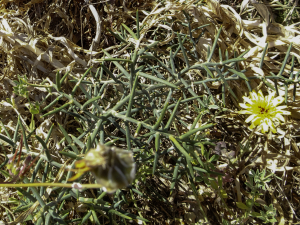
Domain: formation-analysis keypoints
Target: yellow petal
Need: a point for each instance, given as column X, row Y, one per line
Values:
column 252, row 126
column 80, row 172
column 75, row 177
column 80, row 164
column 256, row 120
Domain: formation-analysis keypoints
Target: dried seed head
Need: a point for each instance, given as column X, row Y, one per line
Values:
column 112, row 167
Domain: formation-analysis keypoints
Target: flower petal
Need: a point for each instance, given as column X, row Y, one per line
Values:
column 278, row 100
column 281, row 107
column 256, row 120
column 246, row 99
column 252, row 126
column 272, row 127
column 285, row 112
column 244, row 112
column 280, row 117
column 245, row 106
column 271, row 96
column 265, row 127
column 253, row 95
column 250, row 118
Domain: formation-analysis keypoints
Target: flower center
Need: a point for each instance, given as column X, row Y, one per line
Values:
column 263, row 110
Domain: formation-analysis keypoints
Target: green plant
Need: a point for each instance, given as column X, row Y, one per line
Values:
column 257, row 182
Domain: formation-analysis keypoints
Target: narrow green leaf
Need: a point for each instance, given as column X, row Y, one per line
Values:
column 172, row 115
column 208, row 71
column 214, row 184
column 140, row 52
column 86, row 217
column 213, row 158
column 79, row 82
column 44, row 147
column 44, row 177
column 225, row 85
column 287, row 55
column 117, row 36
column 58, row 109
column 119, row 214
column 130, row 31
column 96, row 220
column 190, row 167
column 69, row 140
column 255, row 214
column 71, row 155
column 172, row 62
column 242, row 205
column 64, row 77
column 77, row 141
column 241, row 75
column 157, row 79
column 121, row 68
column 130, row 103
column 183, row 51
column 180, row 148
column 58, row 84
column 52, row 103
column 24, row 135
column 88, row 144
column 191, row 132
column 263, row 56
column 157, row 146
column 200, row 169
column 128, row 135
column 162, row 114
column 7, row 140
column 175, row 175
column 6, row 131
column 214, row 45
column 90, row 101
column 96, row 131
column 198, row 28
column 220, row 55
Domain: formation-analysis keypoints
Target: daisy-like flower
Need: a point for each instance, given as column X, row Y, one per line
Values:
column 264, row 111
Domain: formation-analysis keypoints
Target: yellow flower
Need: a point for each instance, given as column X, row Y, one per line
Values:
column 264, row 111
